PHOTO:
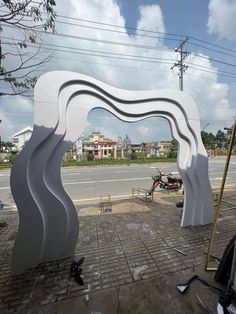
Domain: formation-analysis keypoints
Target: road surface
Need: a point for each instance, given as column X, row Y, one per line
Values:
column 88, row 183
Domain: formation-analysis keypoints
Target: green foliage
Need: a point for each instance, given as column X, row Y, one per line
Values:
column 12, row 157
column 173, row 149
column 133, row 155
column 101, row 162
column 5, row 165
column 29, row 17
column 6, row 146
column 90, row 156
column 209, row 140
column 221, row 139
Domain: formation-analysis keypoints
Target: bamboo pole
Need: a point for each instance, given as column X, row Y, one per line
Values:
column 219, row 200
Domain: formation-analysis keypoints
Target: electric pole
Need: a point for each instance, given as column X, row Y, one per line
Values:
column 179, row 64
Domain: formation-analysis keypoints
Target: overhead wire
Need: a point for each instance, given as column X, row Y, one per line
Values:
column 128, row 45
column 180, row 36
column 121, row 56
column 85, row 50
column 134, row 57
column 151, row 59
column 145, row 30
column 143, row 35
column 98, row 40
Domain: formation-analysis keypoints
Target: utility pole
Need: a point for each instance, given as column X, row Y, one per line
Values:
column 181, row 66
column 0, row 45
column 0, row 141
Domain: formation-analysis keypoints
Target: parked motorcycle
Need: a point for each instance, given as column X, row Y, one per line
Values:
column 169, row 182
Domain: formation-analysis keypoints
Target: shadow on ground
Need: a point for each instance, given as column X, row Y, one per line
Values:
column 134, row 257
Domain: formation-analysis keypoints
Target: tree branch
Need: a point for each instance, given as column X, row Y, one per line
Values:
column 26, row 16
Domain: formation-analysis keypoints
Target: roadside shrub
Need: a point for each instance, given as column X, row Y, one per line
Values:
column 90, row 156
column 172, row 154
column 133, row 155
column 12, row 157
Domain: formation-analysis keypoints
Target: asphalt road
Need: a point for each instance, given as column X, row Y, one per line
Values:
column 87, row 183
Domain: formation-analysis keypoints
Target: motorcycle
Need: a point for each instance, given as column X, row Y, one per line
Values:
column 169, row 182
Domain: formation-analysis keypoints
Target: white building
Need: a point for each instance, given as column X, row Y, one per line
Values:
column 100, row 146
column 20, row 138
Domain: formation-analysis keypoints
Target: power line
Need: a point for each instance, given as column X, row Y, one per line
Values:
column 146, row 30
column 136, row 29
column 211, row 69
column 147, row 36
column 143, row 69
column 213, row 59
column 125, row 44
column 213, row 72
column 112, row 30
column 87, row 50
column 212, row 49
column 96, row 40
column 73, row 50
column 211, row 44
column 111, row 55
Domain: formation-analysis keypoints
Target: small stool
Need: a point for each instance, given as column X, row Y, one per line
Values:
column 106, row 204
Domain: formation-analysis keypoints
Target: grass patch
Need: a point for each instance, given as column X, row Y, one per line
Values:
column 101, row 162
column 5, row 165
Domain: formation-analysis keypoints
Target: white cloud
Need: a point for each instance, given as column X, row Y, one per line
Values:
column 6, row 126
column 210, row 95
column 222, row 21
column 16, row 113
column 145, row 132
column 150, row 18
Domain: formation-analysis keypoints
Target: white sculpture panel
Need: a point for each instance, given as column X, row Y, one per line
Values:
column 48, row 228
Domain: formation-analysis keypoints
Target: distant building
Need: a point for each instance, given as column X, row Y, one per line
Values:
column 153, row 149
column 20, row 138
column 105, row 148
column 137, row 148
column 101, row 146
column 164, row 148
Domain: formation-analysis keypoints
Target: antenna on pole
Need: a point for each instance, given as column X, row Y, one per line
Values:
column 181, row 66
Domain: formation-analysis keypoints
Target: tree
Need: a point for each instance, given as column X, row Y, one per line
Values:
column 12, row 157
column 221, row 139
column 28, row 18
column 6, row 147
column 204, row 136
column 144, row 149
column 133, row 155
column 173, row 149
column 208, row 139
column 90, row 156
column 126, row 145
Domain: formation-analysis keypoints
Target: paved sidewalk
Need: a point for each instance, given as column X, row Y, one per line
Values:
column 131, row 263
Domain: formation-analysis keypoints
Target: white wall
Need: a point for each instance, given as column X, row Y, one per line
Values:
column 22, row 139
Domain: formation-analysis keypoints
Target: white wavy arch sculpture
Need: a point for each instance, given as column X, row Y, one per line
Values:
column 48, row 228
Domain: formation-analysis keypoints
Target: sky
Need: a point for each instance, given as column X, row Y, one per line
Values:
column 144, row 34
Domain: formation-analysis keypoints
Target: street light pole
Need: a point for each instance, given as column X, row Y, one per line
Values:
column 206, row 125
column 0, row 141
